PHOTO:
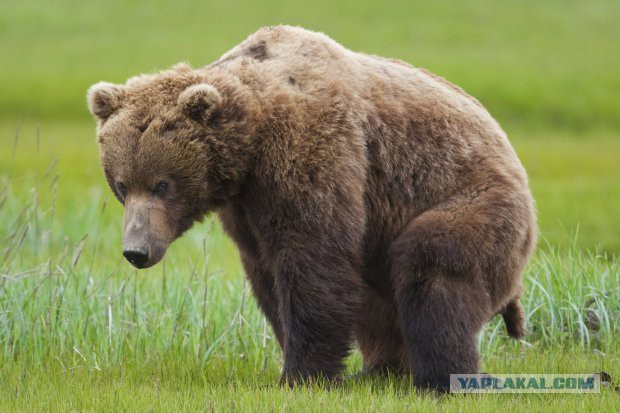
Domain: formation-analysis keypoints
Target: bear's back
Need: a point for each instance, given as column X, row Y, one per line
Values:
column 298, row 61
column 426, row 115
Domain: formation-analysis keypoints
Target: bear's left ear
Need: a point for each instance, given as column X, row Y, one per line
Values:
column 200, row 102
column 104, row 99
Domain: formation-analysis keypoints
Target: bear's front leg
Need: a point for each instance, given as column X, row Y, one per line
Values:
column 319, row 293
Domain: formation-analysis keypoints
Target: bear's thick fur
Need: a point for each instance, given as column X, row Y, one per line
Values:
column 371, row 200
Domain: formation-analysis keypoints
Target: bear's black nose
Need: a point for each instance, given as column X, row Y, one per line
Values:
column 136, row 256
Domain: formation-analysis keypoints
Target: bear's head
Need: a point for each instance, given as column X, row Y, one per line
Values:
column 173, row 146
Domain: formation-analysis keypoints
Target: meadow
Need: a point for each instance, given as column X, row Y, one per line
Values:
column 80, row 329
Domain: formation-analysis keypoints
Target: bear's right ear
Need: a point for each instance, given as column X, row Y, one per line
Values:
column 104, row 99
column 200, row 102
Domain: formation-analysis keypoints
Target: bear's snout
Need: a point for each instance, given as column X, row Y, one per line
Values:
column 146, row 232
column 137, row 256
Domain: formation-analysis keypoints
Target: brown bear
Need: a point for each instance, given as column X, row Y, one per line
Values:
column 371, row 201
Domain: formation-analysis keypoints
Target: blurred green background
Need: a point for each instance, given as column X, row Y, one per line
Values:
column 549, row 71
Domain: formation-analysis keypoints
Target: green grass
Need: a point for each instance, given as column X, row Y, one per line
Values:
column 81, row 330
column 187, row 334
column 173, row 385
column 548, row 63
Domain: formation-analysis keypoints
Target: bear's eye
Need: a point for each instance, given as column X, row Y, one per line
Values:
column 121, row 189
column 160, row 188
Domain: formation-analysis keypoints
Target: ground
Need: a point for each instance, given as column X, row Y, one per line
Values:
column 184, row 334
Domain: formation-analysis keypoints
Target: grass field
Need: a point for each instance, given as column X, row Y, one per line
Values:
column 188, row 335
column 81, row 330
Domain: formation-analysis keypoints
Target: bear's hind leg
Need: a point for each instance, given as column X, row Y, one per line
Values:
column 440, row 317
column 453, row 267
